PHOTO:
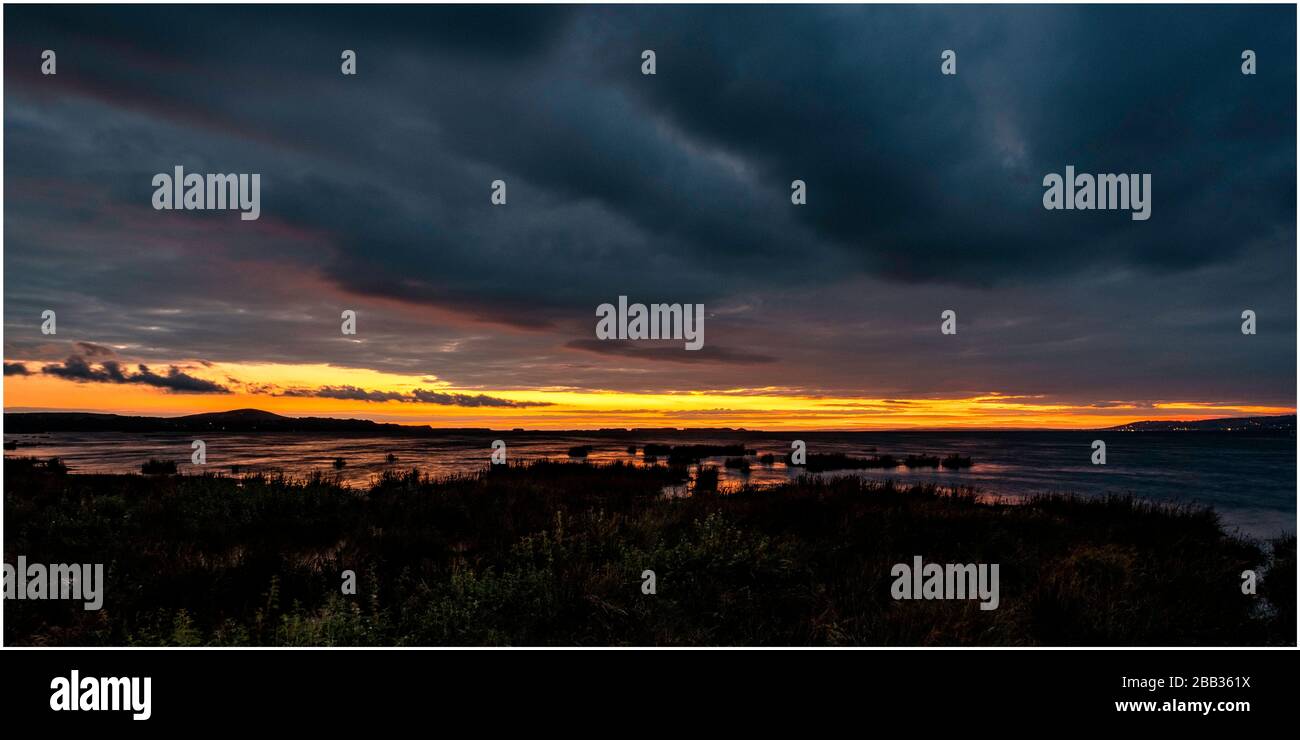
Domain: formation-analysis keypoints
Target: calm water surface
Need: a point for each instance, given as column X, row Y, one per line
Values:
column 1250, row 480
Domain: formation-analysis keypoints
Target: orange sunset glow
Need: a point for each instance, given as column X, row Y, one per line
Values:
column 766, row 408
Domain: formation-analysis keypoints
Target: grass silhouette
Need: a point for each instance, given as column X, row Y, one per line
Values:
column 550, row 553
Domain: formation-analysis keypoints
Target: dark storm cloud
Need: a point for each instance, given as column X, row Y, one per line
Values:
column 670, row 353
column 16, row 368
column 76, row 368
column 932, row 178
column 924, row 191
column 175, row 380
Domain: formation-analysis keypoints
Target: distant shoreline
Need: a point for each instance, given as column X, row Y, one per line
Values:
column 254, row 420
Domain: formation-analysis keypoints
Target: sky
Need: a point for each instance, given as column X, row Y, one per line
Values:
column 924, row 194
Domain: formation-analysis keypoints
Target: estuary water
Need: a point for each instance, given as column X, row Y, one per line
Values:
column 1249, row 479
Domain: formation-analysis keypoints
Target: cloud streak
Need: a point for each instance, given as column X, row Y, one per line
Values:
column 76, row 368
column 353, row 393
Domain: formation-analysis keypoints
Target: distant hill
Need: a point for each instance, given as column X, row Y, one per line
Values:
column 256, row 420
column 239, row 420
column 1237, row 424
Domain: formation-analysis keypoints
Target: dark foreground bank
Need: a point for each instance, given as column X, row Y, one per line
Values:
column 555, row 553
